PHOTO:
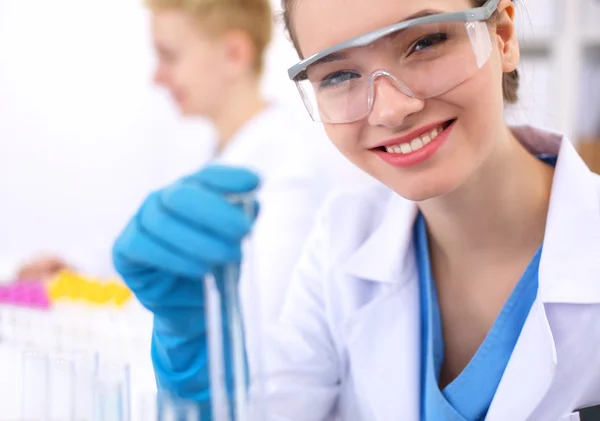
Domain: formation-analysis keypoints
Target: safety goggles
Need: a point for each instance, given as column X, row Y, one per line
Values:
column 424, row 57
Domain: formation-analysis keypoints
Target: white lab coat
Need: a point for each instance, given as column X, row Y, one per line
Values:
column 347, row 346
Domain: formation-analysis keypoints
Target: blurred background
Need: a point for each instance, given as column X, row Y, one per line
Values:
column 84, row 134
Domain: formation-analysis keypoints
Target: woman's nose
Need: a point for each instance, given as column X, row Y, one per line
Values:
column 160, row 76
column 391, row 106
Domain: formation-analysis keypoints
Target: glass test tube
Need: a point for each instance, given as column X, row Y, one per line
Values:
column 61, row 388
column 58, row 387
column 147, row 408
column 3, row 323
column 34, row 386
column 164, row 407
column 226, row 343
column 176, row 409
column 112, row 397
column 85, row 382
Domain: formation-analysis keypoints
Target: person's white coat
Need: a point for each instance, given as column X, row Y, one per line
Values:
column 348, row 342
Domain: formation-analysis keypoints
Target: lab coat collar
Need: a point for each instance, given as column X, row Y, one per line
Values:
column 568, row 273
column 381, row 258
column 383, row 343
column 570, row 261
column 533, row 361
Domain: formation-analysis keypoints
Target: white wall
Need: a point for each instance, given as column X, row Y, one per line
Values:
column 83, row 134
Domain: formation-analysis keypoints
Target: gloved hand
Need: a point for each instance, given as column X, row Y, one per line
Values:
column 180, row 234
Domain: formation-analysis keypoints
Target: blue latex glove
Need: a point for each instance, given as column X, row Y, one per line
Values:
column 180, row 234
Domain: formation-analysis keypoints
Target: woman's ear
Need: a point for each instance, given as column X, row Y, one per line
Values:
column 506, row 35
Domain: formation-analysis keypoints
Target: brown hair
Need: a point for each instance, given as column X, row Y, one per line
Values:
column 510, row 81
column 253, row 17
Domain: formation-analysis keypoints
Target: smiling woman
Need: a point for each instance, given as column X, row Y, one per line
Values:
column 451, row 63
column 413, row 93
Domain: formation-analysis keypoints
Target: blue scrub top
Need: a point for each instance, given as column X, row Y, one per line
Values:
column 469, row 396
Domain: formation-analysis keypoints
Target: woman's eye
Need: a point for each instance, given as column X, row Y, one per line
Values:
column 335, row 79
column 428, row 41
column 167, row 56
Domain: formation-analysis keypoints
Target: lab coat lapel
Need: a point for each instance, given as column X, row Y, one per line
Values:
column 529, row 372
column 570, row 265
column 383, row 337
column 568, row 273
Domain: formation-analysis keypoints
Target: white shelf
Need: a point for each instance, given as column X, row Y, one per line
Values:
column 545, row 45
column 535, row 46
column 592, row 39
column 562, row 36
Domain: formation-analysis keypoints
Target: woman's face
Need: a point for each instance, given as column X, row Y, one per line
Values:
column 474, row 108
column 190, row 63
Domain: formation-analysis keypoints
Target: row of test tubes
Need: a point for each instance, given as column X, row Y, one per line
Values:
column 76, row 327
column 75, row 361
column 77, row 364
column 73, row 387
column 79, row 387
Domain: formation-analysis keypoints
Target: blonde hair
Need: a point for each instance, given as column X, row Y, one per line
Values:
column 253, row 17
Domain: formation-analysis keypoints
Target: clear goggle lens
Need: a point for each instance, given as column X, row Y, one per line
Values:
column 422, row 61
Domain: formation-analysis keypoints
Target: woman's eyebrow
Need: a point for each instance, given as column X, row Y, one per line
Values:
column 340, row 55
column 422, row 14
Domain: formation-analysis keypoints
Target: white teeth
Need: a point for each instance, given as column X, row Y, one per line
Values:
column 416, row 143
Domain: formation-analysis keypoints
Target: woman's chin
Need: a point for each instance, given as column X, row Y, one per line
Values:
column 183, row 110
column 421, row 192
